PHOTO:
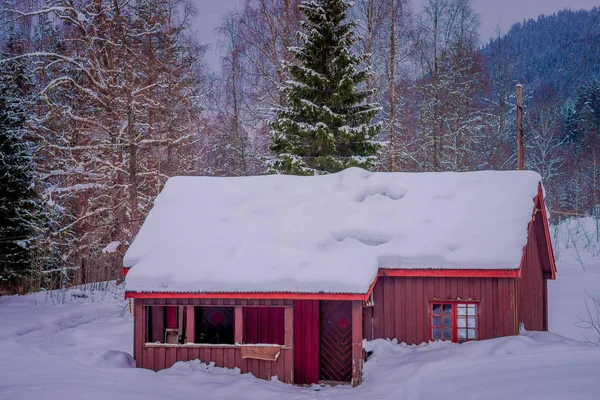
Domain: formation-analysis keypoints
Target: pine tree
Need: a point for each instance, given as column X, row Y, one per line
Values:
column 326, row 124
column 17, row 195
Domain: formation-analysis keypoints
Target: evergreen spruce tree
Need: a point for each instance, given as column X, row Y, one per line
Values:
column 18, row 205
column 326, row 123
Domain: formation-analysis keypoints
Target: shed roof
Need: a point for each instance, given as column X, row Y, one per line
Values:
column 328, row 233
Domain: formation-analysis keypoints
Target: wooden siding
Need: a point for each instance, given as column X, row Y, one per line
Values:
column 306, row 349
column 263, row 325
column 161, row 357
column 532, row 298
column 357, row 338
column 401, row 306
column 157, row 357
column 220, row 302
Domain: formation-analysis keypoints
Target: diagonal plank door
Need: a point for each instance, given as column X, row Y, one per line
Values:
column 336, row 341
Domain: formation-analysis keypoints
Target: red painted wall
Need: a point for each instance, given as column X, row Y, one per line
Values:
column 532, row 297
column 401, row 307
column 263, row 325
column 157, row 358
column 306, row 341
column 229, row 356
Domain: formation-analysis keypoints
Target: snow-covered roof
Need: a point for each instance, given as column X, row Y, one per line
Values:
column 329, row 233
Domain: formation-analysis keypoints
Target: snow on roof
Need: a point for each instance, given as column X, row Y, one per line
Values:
column 329, row 233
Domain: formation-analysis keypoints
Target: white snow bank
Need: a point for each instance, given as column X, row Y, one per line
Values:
column 576, row 244
column 327, row 233
column 71, row 358
column 536, row 365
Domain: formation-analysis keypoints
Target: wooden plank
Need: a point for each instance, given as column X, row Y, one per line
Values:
column 289, row 327
column 450, row 273
column 430, row 282
column 280, row 364
column 391, row 304
column 378, row 310
column 237, row 357
column 170, row 356
column 218, row 356
column 160, row 358
column 212, row 298
column 368, row 323
column 243, row 364
column 477, row 289
column 183, row 354
column 149, row 358
column 422, row 311
column 397, row 302
column 194, row 354
column 190, row 324
column 289, row 367
column 262, row 369
column 356, row 343
column 453, row 288
column 496, row 308
column 268, row 370
column 231, row 358
column 238, row 330
column 139, row 321
column 409, row 310
column 487, row 294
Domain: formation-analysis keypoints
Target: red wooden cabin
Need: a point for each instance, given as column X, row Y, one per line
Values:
column 261, row 311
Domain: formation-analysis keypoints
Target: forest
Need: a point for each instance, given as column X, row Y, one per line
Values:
column 102, row 101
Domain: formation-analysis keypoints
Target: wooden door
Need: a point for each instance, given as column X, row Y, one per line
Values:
column 306, row 342
column 335, row 349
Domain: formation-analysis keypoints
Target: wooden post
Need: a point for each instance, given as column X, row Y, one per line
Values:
column 288, row 340
column 190, row 324
column 238, row 325
column 139, row 322
column 357, row 336
column 520, row 149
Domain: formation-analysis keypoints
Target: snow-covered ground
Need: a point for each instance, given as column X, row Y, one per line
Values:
column 78, row 348
column 577, row 248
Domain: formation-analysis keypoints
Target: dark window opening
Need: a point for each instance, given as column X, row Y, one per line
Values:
column 454, row 321
column 263, row 325
column 214, row 325
column 165, row 324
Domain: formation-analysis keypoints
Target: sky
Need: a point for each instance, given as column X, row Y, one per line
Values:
column 492, row 13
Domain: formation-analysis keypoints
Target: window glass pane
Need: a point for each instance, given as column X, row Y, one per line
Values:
column 447, row 321
column 471, row 322
column 447, row 308
column 462, row 309
column 462, row 333
column 472, row 334
column 437, row 333
column 437, row 321
column 214, row 325
column 448, row 333
column 436, row 309
column 462, row 322
column 472, row 309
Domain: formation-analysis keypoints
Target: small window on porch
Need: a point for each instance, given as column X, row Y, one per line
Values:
column 214, row 325
column 165, row 324
column 264, row 325
column 454, row 321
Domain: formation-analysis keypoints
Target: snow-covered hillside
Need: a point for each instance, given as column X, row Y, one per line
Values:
column 76, row 347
